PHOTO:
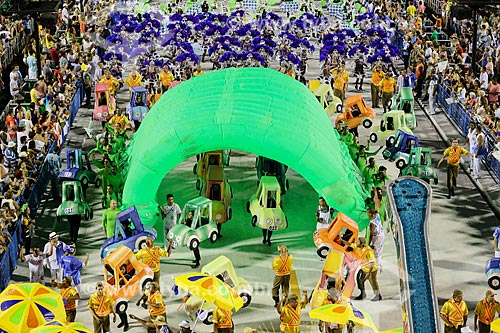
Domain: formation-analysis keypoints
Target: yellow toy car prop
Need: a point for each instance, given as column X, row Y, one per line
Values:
column 265, row 205
column 217, row 188
column 222, row 267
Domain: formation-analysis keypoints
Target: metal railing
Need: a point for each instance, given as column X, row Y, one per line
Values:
column 462, row 117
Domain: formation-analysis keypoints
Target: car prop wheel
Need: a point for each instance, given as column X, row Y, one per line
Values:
column 85, row 181
column 373, row 137
column 213, row 237
column 97, row 182
column 193, row 244
column 367, row 123
column 247, row 298
column 121, row 306
column 400, row 164
column 390, row 141
column 229, row 213
column 254, row 220
column 140, row 243
column 209, row 319
column 323, row 252
column 494, row 282
column 198, row 184
column 248, row 206
column 145, row 283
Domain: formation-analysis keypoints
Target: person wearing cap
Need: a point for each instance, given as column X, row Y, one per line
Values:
column 101, row 306
column 150, row 255
column 159, row 324
column 69, row 295
column 282, row 265
column 223, row 320
column 485, row 311
column 72, row 266
column 54, row 249
column 155, row 302
column 10, row 155
column 368, row 270
column 454, row 313
column 289, row 309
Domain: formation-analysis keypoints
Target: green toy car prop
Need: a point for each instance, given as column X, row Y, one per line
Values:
column 420, row 165
column 195, row 226
column 73, row 201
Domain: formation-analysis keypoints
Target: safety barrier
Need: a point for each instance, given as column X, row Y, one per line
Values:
column 9, row 259
column 462, row 118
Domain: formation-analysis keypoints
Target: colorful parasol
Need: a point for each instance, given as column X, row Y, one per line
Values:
column 343, row 313
column 58, row 327
column 24, row 306
column 394, row 330
column 210, row 289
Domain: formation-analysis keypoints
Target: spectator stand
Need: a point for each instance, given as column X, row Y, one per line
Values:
column 9, row 260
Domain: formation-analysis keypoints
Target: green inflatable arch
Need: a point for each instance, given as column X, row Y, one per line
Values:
column 256, row 110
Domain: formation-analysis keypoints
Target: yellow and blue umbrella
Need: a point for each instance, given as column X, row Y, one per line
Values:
column 210, row 289
column 342, row 314
column 24, row 306
column 394, row 330
column 58, row 327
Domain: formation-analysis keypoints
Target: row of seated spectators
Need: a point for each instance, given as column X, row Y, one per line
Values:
column 451, row 61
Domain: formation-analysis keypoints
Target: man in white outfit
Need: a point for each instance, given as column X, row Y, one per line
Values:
column 432, row 93
column 478, row 152
column 54, row 249
column 324, row 214
column 377, row 236
column 472, row 138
